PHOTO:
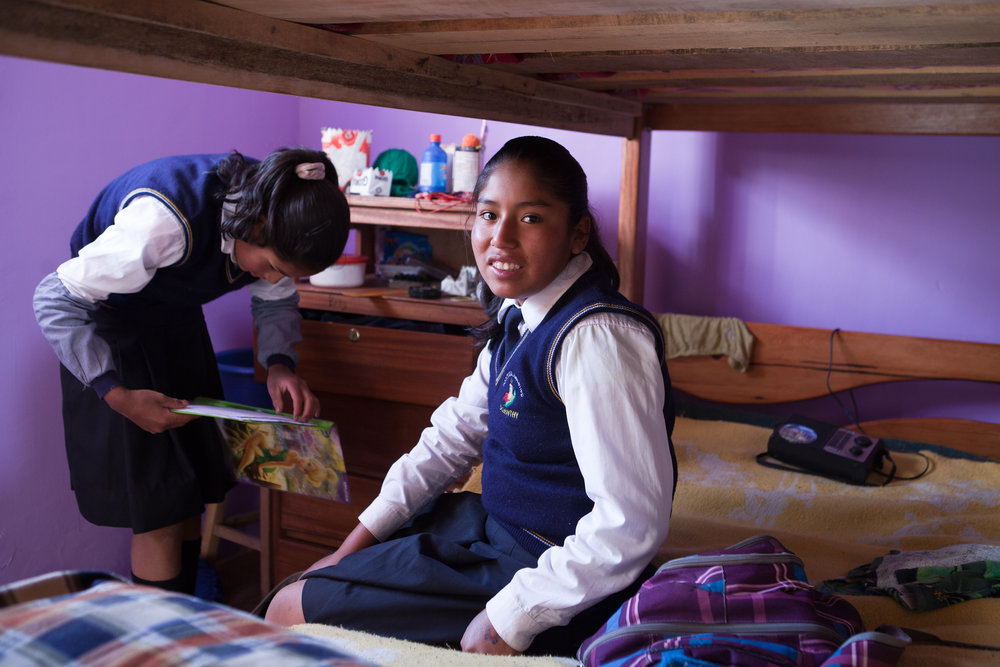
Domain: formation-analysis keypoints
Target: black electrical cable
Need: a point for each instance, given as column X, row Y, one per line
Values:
column 856, row 420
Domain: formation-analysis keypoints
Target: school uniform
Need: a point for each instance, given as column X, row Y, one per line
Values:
column 573, row 422
column 126, row 309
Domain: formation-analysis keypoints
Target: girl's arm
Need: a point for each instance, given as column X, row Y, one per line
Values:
column 145, row 236
column 447, row 449
column 614, row 404
column 358, row 539
column 276, row 317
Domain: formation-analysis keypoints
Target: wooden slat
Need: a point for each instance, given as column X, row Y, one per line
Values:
column 827, row 95
column 199, row 41
column 973, row 118
column 689, row 62
column 446, row 310
column 943, row 78
column 631, row 217
column 324, row 11
column 862, row 28
column 407, row 212
column 791, row 363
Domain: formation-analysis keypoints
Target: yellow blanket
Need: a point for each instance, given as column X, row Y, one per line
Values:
column 724, row 496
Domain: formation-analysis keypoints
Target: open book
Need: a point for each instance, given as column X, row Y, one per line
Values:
column 278, row 452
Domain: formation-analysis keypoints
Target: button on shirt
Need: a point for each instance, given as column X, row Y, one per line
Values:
column 609, row 379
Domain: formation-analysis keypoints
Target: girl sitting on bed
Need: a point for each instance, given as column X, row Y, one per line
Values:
column 571, row 417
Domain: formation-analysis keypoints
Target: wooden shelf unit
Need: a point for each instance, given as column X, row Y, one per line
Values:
column 445, row 227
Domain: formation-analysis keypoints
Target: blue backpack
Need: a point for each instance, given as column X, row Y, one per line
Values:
column 749, row 605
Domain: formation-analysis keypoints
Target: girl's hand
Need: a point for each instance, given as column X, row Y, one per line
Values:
column 281, row 381
column 480, row 637
column 149, row 410
column 358, row 539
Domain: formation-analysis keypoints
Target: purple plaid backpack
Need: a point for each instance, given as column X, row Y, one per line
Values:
column 749, row 605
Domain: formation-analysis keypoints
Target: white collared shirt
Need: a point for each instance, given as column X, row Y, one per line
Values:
column 609, row 378
column 146, row 236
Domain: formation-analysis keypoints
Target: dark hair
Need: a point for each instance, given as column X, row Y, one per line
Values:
column 557, row 171
column 305, row 222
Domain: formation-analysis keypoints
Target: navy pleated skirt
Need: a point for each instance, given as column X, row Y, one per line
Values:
column 432, row 577
column 122, row 475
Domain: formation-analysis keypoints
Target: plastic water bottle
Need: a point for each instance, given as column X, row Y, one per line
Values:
column 434, row 167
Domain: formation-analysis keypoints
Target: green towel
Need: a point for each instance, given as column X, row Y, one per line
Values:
column 695, row 335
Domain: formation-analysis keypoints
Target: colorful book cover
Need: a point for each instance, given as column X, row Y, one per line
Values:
column 276, row 451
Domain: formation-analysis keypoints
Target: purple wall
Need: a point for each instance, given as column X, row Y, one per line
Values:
column 905, row 226
column 883, row 234
column 65, row 132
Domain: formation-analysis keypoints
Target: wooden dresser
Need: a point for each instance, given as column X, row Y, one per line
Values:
column 379, row 385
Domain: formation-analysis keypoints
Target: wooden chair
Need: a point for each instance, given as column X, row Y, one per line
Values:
column 217, row 526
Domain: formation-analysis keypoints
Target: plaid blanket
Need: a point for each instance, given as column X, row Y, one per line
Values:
column 88, row 618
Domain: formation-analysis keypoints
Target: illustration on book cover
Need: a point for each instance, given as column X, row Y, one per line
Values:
column 278, row 452
column 306, row 460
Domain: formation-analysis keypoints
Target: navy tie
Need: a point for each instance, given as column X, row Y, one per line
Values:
column 511, row 334
column 511, row 323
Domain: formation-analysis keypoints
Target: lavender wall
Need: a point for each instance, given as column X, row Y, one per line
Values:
column 905, row 226
column 883, row 234
column 65, row 132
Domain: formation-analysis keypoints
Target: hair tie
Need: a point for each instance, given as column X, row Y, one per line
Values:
column 311, row 171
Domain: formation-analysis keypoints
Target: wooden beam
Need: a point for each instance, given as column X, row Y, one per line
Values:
column 770, row 57
column 207, row 43
column 970, row 80
column 632, row 215
column 967, row 118
column 376, row 11
column 852, row 28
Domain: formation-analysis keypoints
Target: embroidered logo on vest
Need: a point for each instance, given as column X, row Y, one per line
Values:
column 511, row 396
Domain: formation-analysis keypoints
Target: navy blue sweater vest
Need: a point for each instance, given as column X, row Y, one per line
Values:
column 531, row 482
column 189, row 186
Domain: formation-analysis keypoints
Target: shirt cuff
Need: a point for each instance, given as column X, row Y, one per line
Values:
column 105, row 383
column 282, row 359
column 381, row 518
column 511, row 620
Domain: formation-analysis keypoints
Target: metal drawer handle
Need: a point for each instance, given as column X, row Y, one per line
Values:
column 353, row 335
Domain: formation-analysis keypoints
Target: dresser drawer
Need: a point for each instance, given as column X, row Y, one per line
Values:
column 321, row 521
column 389, row 364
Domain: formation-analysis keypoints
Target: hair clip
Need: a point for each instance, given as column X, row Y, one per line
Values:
column 311, row 171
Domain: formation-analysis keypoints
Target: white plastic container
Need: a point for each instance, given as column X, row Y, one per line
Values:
column 349, row 271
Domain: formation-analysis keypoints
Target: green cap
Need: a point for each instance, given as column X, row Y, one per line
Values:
column 403, row 166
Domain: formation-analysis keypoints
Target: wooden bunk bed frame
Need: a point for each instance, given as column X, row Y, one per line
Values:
column 621, row 69
column 800, row 363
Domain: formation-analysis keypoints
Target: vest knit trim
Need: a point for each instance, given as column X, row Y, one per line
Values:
column 190, row 188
